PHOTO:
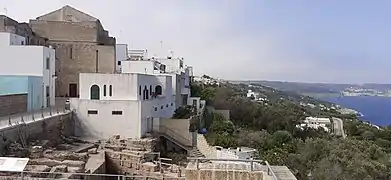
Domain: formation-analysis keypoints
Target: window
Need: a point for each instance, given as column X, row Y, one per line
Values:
column 150, row 89
column 47, row 91
column 119, row 63
column 155, row 108
column 172, row 104
column 47, row 63
column 92, row 112
column 116, row 112
column 161, row 107
column 111, row 90
column 96, row 61
column 22, row 42
column 95, row 92
column 166, row 105
column 146, row 92
column 71, row 53
column 104, row 90
column 139, row 90
column 158, row 90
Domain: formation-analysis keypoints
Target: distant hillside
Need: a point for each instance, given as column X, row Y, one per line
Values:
column 299, row 87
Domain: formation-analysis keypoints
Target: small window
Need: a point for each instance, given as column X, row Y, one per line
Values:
column 111, row 90
column 92, row 112
column 47, row 63
column 155, row 108
column 161, row 107
column 22, row 42
column 104, row 90
column 166, row 105
column 119, row 63
column 150, row 89
column 158, row 90
column 139, row 90
column 71, row 53
column 116, row 112
column 172, row 104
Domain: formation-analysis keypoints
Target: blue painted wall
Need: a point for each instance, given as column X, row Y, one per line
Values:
column 35, row 92
column 32, row 85
column 13, row 85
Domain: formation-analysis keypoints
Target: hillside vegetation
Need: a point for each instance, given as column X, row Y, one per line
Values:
column 310, row 154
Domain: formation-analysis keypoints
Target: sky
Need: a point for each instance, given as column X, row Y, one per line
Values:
column 336, row 41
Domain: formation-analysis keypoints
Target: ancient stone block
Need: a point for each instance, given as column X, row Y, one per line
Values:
column 44, row 161
column 93, row 151
column 74, row 163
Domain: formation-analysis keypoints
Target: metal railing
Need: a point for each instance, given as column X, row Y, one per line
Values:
column 31, row 116
column 251, row 161
column 61, row 175
column 175, row 135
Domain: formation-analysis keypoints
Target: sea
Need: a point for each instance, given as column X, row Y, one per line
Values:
column 375, row 109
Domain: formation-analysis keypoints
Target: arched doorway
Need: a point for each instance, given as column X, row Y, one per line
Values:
column 95, row 92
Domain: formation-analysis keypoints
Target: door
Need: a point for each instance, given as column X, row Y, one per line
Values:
column 72, row 90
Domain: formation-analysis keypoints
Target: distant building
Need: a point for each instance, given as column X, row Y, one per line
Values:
column 316, row 123
column 27, row 75
column 81, row 43
column 237, row 153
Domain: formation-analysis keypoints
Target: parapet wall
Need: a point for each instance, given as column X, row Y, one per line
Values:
column 50, row 128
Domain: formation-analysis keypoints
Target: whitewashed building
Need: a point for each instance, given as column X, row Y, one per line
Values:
column 27, row 70
column 128, row 104
column 244, row 153
column 316, row 123
column 171, row 66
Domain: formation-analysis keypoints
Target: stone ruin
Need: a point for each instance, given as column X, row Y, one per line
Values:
column 129, row 156
column 69, row 157
column 137, row 157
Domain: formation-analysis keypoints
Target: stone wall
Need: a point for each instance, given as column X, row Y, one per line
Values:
column 66, row 31
column 51, row 129
column 22, row 29
column 79, row 49
column 12, row 104
column 207, row 171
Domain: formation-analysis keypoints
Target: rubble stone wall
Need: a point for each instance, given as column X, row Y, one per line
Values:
column 51, row 129
column 11, row 104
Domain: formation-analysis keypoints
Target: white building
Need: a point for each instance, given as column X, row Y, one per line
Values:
column 244, row 153
column 316, row 123
column 128, row 104
column 27, row 69
column 172, row 66
column 133, row 102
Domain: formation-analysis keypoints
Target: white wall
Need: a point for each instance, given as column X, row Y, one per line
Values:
column 121, row 54
column 124, row 86
column 22, row 60
column 49, row 74
column 7, row 39
column 143, row 67
column 104, row 124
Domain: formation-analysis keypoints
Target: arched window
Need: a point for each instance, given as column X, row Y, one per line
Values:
column 146, row 92
column 95, row 92
column 104, row 90
column 111, row 89
column 158, row 90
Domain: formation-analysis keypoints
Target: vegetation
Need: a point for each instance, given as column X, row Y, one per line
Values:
column 270, row 127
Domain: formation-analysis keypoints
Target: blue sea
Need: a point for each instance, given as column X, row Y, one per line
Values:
column 376, row 110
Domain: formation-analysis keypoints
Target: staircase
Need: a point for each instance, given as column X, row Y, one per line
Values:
column 176, row 137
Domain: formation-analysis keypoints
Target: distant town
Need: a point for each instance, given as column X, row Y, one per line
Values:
column 365, row 92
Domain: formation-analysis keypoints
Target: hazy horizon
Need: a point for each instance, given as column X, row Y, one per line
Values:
column 305, row 41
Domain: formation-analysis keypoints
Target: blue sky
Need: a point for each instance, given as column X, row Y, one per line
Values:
column 292, row 40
